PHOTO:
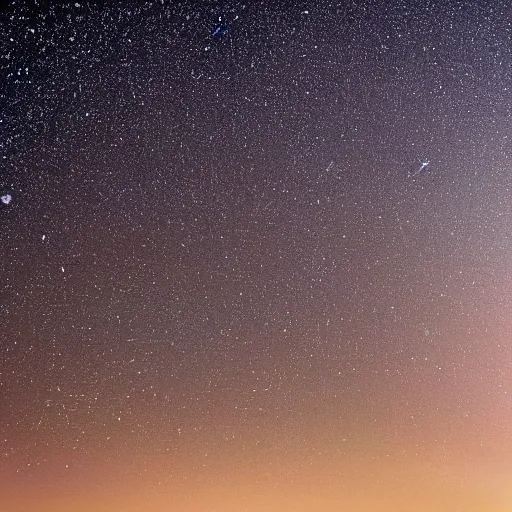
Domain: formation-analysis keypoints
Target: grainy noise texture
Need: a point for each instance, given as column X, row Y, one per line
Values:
column 256, row 256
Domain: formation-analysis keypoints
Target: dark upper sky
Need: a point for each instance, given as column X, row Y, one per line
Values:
column 256, row 256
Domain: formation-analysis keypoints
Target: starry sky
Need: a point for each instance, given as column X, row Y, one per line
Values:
column 256, row 256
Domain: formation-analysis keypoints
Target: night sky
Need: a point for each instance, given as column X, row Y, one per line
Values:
column 256, row 257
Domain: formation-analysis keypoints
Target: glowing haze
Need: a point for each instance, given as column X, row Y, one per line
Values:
column 256, row 257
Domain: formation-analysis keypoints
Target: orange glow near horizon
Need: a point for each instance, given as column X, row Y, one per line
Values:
column 384, row 488
column 256, row 256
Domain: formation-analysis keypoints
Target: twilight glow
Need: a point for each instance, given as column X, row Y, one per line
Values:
column 256, row 257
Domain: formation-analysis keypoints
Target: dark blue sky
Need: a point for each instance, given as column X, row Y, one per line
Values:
column 221, row 267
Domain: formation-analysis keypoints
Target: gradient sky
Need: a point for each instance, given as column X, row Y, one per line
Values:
column 256, row 257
